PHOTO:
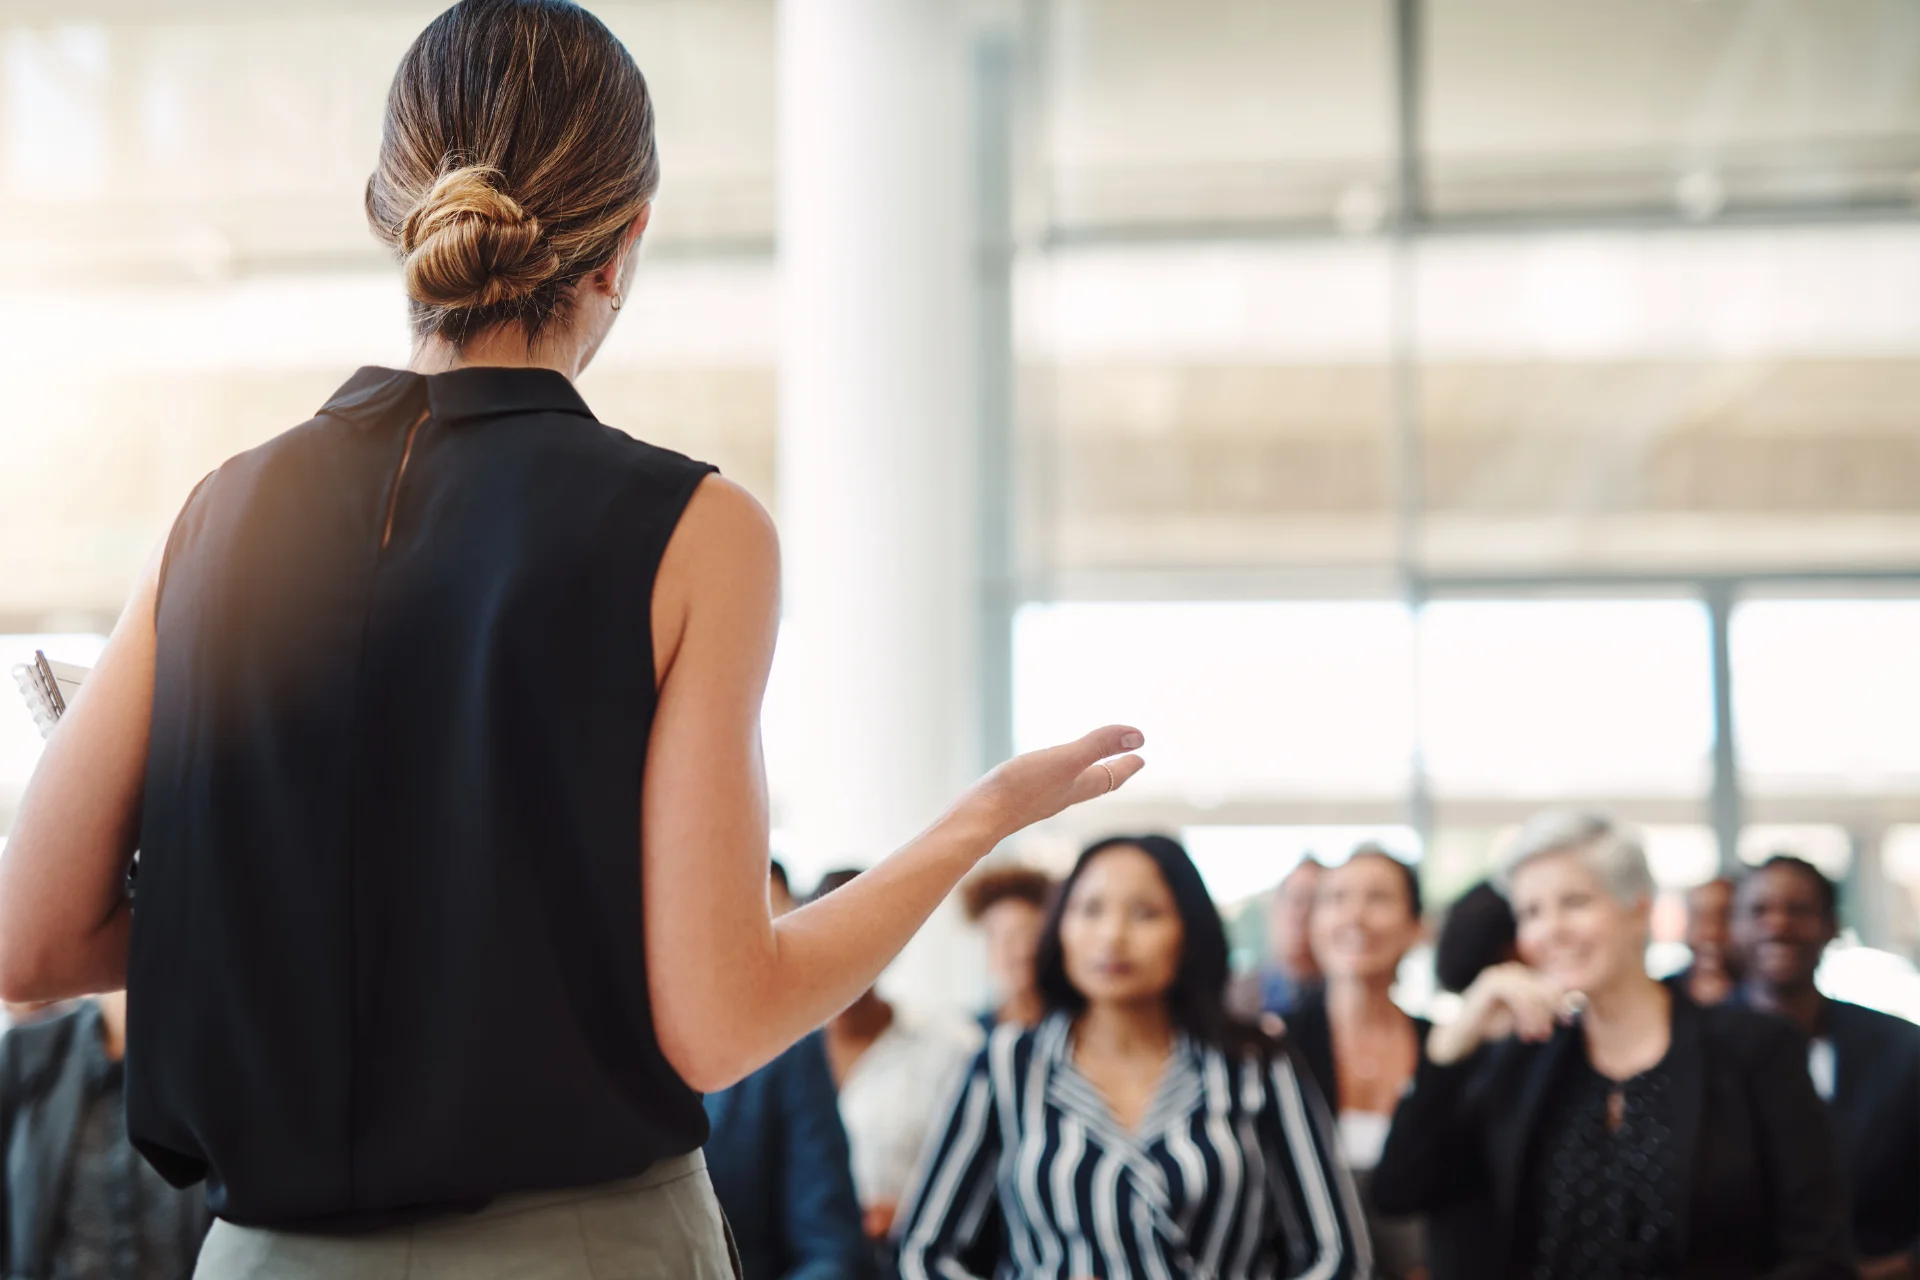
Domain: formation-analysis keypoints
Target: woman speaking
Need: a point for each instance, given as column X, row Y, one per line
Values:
column 435, row 722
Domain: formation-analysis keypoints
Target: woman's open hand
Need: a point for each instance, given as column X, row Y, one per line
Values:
column 1034, row 787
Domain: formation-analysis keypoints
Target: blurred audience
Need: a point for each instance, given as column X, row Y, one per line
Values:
column 1714, row 971
column 80, row 1203
column 1607, row 1126
column 1477, row 934
column 779, row 1163
column 1138, row 1131
column 1009, row 903
column 1358, row 1044
column 893, row 1074
column 1865, row 1064
column 1289, row 973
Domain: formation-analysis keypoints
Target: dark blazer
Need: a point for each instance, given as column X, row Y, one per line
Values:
column 1765, row 1197
column 1456, row 1233
column 779, row 1164
column 43, row 1093
column 1876, row 1115
column 42, row 1090
column 1310, row 1032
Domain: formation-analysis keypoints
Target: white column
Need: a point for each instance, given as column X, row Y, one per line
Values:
column 877, row 420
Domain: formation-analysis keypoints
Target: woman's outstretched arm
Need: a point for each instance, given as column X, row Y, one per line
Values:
column 730, row 988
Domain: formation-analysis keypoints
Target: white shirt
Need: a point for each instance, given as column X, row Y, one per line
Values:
column 892, row 1096
column 1362, row 1136
column 1823, row 1067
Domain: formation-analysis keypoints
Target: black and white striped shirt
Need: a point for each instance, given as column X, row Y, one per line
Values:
column 1230, row 1175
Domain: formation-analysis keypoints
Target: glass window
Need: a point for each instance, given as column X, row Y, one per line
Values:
column 1559, row 698
column 1872, row 977
column 1216, row 112
column 1900, row 856
column 1825, row 845
column 1608, row 400
column 56, row 96
column 1239, row 862
column 1648, row 105
column 1235, row 698
column 1826, row 694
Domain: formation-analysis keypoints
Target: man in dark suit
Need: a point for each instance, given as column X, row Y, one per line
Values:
column 1865, row 1064
column 778, row 1159
column 79, row 1203
column 1715, row 971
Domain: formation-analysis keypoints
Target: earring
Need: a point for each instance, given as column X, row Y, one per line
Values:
column 614, row 301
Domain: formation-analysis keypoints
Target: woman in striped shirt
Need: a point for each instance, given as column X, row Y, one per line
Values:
column 1137, row 1131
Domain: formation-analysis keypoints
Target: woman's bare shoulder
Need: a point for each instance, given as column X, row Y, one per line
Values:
column 720, row 576
column 723, row 516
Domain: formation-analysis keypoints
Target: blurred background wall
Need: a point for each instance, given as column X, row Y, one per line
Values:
column 1408, row 411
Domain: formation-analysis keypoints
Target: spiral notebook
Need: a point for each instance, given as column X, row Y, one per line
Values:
column 48, row 687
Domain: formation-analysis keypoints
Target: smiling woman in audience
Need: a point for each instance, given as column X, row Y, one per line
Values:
column 1611, row 1128
column 1359, row 1045
column 1137, row 1131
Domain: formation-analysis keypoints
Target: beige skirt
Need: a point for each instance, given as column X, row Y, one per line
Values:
column 663, row 1225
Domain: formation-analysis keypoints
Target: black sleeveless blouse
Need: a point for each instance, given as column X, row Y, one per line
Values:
column 386, row 952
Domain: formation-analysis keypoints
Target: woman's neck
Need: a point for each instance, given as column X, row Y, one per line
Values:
column 1627, row 1025
column 1135, row 1027
column 1023, row 1007
column 503, row 346
column 1362, row 1002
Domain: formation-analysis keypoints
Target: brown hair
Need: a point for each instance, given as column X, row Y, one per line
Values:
column 986, row 889
column 518, row 147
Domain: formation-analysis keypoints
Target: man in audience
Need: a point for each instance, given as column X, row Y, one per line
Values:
column 1714, row 972
column 80, row 1202
column 894, row 1074
column 1865, row 1064
column 1009, row 903
column 779, row 1163
column 1290, row 973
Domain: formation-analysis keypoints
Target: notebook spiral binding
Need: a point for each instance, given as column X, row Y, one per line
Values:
column 46, row 686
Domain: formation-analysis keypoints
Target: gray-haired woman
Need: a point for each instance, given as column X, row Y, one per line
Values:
column 1609, row 1127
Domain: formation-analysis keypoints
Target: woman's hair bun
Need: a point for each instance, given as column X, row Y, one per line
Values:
column 467, row 243
column 516, row 155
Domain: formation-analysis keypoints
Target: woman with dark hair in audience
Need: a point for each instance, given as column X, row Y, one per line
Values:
column 1009, row 904
column 1477, row 934
column 1864, row 1063
column 1359, row 1045
column 1608, row 1126
column 1137, row 1131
